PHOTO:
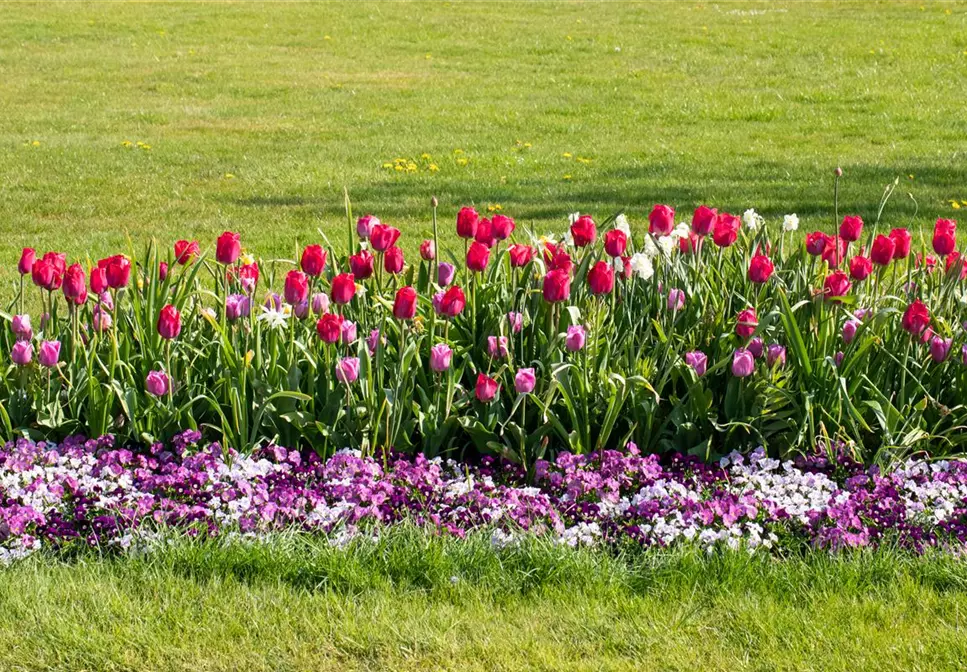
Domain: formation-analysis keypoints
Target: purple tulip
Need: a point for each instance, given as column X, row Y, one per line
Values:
column 445, row 273
column 372, row 341
column 106, row 301
column 101, row 319
column 698, row 361
column 157, row 383
column 524, row 381
column 838, row 358
column 20, row 325
column 22, row 353
column 273, row 302
column 497, row 346
column 776, row 354
column 320, row 303
column 755, row 347
column 347, row 370
column 437, row 301
column 676, row 300
column 516, row 322
column 849, row 331
column 940, row 348
column 348, row 331
column 743, row 363
column 440, row 355
column 49, row 353
column 575, row 338
column 237, row 305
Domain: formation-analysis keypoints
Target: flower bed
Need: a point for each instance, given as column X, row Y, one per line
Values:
column 89, row 493
column 700, row 337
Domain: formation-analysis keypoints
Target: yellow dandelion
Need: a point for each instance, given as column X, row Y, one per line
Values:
column 569, row 38
column 458, row 151
column 425, row 156
column 567, row 155
column 399, row 167
column 387, row 165
column 429, row 56
column 567, row 177
column 955, row 205
column 433, row 167
column 583, row 160
column 35, row 143
column 126, row 143
column 229, row 176
column 910, row 176
column 326, row 37
column 411, row 167
column 462, row 161
column 963, row 202
column 527, row 145
column 145, row 147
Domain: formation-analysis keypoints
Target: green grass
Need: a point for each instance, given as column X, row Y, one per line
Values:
column 734, row 104
column 395, row 605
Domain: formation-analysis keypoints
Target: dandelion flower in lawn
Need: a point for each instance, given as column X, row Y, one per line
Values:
column 433, row 168
column 462, row 161
column 567, row 155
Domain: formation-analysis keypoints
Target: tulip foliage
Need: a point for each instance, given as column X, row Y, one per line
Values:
column 706, row 336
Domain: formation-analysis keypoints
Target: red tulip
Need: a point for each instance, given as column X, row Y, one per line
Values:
column 690, row 243
column 404, row 307
column 502, row 227
column 98, row 279
column 954, row 260
column 248, row 276
column 557, row 286
column 835, row 251
column 601, row 278
column 296, row 287
column 313, row 260
column 615, row 242
column 746, row 323
column 916, row 318
column 59, row 262
column 901, row 241
column 478, row 256
column 27, row 259
column 118, row 270
column 44, row 275
column 625, row 267
column 485, row 234
column 760, row 269
column 557, row 258
column 329, row 327
column 393, row 260
column 584, row 231
column 427, row 250
column 361, row 265
column 343, row 288
column 75, row 285
column 452, row 302
column 169, row 322
column 467, row 220
column 816, row 243
column 520, row 255
column 726, row 229
column 185, row 252
column 929, row 262
column 383, row 237
column 486, row 388
column 837, row 284
column 860, row 267
column 661, row 220
column 228, row 248
column 851, row 229
column 703, row 220
column 162, row 270
column 944, row 236
column 883, row 250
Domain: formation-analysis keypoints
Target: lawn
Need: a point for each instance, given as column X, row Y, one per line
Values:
column 414, row 603
column 255, row 116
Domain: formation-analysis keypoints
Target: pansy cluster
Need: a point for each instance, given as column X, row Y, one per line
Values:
column 91, row 493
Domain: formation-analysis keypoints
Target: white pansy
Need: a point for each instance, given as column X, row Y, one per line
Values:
column 641, row 266
column 621, row 223
column 752, row 219
column 790, row 222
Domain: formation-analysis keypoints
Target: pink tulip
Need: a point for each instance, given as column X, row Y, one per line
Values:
column 22, row 353
column 347, row 370
column 157, row 383
column 49, row 353
column 525, row 381
column 440, row 355
column 743, row 363
column 575, row 338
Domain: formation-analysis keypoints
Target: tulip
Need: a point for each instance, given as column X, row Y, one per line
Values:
column 849, row 331
column 760, row 269
column 237, row 306
column 98, row 279
column 557, row 258
column 944, row 236
column 372, row 341
column 162, row 271
column 516, row 322
column 601, row 278
column 940, row 348
column 228, row 248
column 698, row 361
column 851, row 229
column 661, row 220
column 838, row 358
column 301, row 309
column 467, row 220
column 816, row 243
column 776, row 354
column 329, row 328
column 364, row 226
column 427, row 250
column 273, row 302
column 583, row 231
column 703, row 219
column 320, row 302
column 689, row 244
column 497, row 346
column 615, row 242
column 835, row 251
column 743, row 363
column 901, row 241
column 502, row 227
column 361, row 265
column 916, row 318
column 44, row 275
column 49, row 353
column 347, row 331
column 20, row 325
column 343, row 288
column 860, row 267
column 486, row 388
column 101, row 320
column 185, row 252
column 393, row 260
column 478, row 256
column 347, row 370
column 313, row 260
column 27, row 258
column 862, row 313
column 157, row 383
column 746, row 323
column 963, row 354
column 726, row 229
column 557, row 286
column 445, row 273
column 676, row 299
column 836, row 284
column 525, row 381
column 22, row 353
column 953, row 264
column 575, row 338
column 755, row 347
column 440, row 355
column 404, row 307
column 452, row 302
column 248, row 276
column 485, row 234
column 169, row 322
column 383, row 237
column 883, row 250
column 520, row 255
column 296, row 287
